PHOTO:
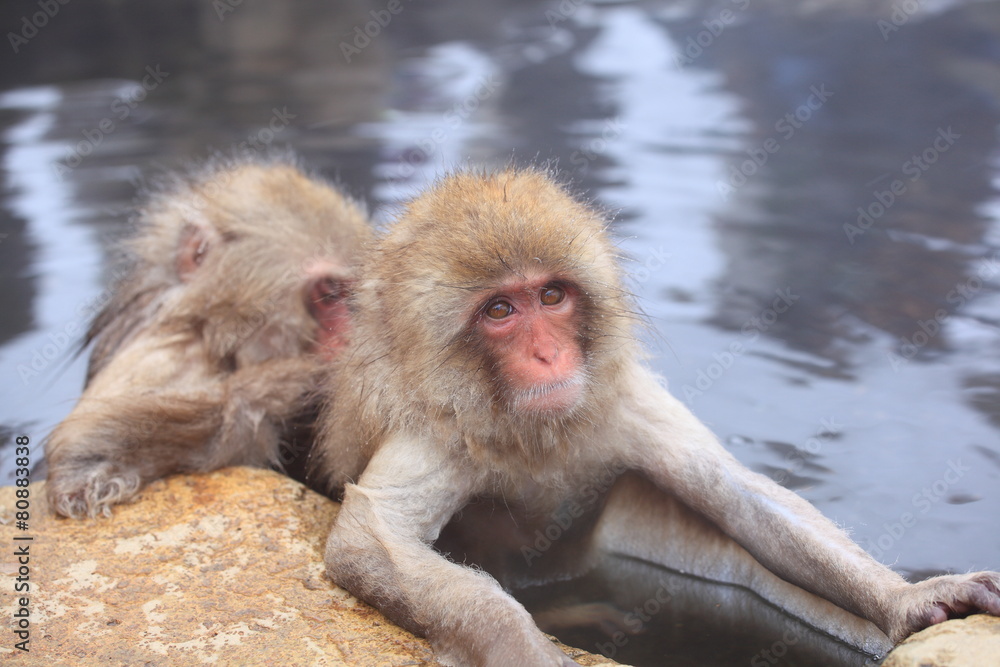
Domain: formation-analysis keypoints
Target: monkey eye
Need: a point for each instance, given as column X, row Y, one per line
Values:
column 499, row 310
column 550, row 296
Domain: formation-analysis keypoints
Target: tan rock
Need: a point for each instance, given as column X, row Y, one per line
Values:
column 224, row 569
column 967, row 642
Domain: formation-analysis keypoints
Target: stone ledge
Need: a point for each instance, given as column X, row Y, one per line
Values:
column 966, row 642
column 222, row 568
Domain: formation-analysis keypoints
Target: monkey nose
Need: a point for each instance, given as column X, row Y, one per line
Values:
column 546, row 354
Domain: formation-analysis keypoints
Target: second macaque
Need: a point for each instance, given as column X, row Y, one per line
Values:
column 214, row 345
column 494, row 364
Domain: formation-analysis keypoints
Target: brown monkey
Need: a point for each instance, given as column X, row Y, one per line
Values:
column 494, row 360
column 209, row 348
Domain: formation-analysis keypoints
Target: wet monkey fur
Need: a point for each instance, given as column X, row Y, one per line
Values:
column 493, row 359
column 214, row 344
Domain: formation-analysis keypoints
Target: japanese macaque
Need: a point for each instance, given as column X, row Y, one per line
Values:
column 494, row 363
column 214, row 343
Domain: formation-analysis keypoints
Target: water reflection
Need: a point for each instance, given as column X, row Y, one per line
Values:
column 736, row 149
column 875, row 163
column 640, row 614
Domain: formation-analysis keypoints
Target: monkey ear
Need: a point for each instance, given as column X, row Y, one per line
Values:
column 326, row 299
column 191, row 250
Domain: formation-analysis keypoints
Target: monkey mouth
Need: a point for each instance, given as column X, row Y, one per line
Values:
column 554, row 397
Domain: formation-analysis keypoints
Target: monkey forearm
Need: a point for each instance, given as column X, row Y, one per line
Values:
column 113, row 444
column 806, row 549
column 795, row 541
column 110, row 446
column 125, row 429
column 454, row 606
column 379, row 549
column 780, row 529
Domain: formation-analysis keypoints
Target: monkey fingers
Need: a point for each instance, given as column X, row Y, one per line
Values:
column 91, row 490
column 936, row 600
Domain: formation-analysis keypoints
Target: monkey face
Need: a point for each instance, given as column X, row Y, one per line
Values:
column 528, row 329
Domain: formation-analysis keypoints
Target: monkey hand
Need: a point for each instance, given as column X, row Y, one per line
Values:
column 105, row 453
column 923, row 604
column 88, row 488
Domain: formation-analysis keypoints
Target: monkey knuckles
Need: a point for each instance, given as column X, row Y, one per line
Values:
column 91, row 491
column 936, row 600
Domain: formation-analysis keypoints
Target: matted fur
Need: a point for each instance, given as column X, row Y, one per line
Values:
column 273, row 218
column 203, row 356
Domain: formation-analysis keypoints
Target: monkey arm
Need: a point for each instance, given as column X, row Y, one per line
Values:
column 113, row 444
column 379, row 549
column 780, row 529
column 119, row 439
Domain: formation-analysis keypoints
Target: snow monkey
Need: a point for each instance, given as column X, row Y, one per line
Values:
column 213, row 346
column 493, row 358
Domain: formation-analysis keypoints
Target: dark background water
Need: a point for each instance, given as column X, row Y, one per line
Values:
column 834, row 161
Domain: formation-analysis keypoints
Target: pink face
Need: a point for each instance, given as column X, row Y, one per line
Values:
column 529, row 329
column 326, row 299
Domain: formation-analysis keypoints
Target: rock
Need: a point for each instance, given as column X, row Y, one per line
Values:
column 223, row 568
column 966, row 642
